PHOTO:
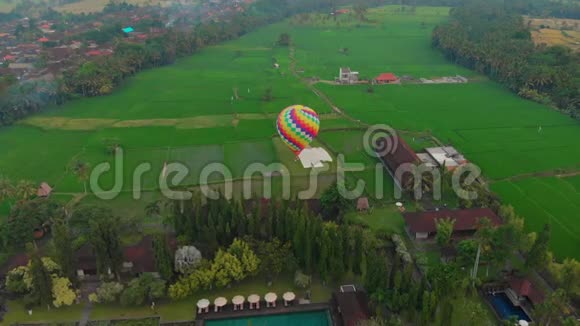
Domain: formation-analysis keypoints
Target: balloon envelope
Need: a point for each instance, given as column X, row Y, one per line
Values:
column 298, row 125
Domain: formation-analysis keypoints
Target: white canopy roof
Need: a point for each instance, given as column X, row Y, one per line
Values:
column 314, row 157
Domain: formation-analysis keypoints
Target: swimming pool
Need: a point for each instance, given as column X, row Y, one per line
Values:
column 311, row 318
column 505, row 309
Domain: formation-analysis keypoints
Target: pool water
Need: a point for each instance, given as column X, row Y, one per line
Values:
column 505, row 309
column 312, row 318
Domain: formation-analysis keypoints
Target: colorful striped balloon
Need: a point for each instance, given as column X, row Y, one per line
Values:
column 298, row 125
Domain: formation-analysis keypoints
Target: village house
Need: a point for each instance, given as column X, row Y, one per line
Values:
column 423, row 225
column 346, row 76
column 522, row 291
column 44, row 190
column 400, row 154
column 447, row 157
column 362, row 204
column 352, row 304
column 386, row 78
column 137, row 259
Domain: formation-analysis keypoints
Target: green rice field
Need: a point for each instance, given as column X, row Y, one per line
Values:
column 548, row 200
column 208, row 108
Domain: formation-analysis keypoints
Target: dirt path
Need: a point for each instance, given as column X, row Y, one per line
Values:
column 317, row 92
column 543, row 174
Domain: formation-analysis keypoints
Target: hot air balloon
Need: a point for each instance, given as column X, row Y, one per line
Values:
column 298, row 125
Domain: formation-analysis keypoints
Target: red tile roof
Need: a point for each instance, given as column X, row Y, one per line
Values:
column 141, row 255
column 387, row 77
column 353, row 307
column 362, row 203
column 524, row 288
column 465, row 219
column 44, row 190
column 95, row 53
column 9, row 57
column 43, row 40
column 401, row 154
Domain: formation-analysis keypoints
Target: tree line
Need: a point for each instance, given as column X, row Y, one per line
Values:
column 222, row 242
column 494, row 41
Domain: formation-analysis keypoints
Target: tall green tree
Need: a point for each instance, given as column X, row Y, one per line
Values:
column 299, row 239
column 62, row 239
column 552, row 307
column 82, row 171
column 163, row 257
column 538, row 255
column 444, row 231
column 333, row 203
column 104, row 236
column 375, row 276
column 358, row 252
column 41, row 281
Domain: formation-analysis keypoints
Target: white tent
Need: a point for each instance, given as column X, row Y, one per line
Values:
column 314, row 157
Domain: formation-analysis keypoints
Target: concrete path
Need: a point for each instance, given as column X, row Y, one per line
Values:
column 86, row 314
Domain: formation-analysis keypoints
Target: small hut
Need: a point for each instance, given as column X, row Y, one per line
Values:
column 44, row 190
column 362, row 204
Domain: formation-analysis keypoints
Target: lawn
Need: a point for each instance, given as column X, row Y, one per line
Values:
column 185, row 310
column 169, row 311
column 463, row 316
column 18, row 314
column 379, row 219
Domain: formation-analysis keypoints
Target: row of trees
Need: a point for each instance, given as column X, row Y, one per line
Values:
column 323, row 247
column 41, row 282
column 231, row 265
column 102, row 75
column 493, row 40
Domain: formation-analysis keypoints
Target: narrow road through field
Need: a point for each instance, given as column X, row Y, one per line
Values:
column 317, row 92
column 542, row 174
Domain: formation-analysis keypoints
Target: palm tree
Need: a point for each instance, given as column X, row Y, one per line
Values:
column 153, row 208
column 552, row 307
column 168, row 212
column 24, row 189
column 484, row 236
column 82, row 171
column 7, row 190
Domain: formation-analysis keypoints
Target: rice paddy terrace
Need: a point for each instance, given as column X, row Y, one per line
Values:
column 210, row 108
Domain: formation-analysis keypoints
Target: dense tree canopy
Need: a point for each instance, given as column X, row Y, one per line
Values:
column 493, row 40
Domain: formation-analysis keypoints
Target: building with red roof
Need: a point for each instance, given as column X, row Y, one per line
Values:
column 522, row 290
column 140, row 258
column 44, row 190
column 43, row 40
column 98, row 53
column 9, row 57
column 387, row 78
column 394, row 152
column 422, row 225
column 352, row 305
